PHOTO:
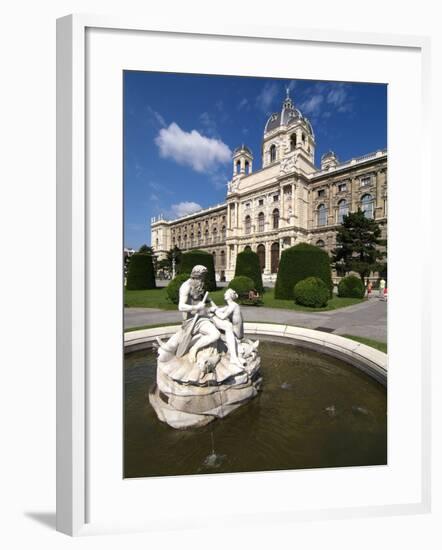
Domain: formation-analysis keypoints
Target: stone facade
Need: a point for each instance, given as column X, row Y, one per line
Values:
column 286, row 202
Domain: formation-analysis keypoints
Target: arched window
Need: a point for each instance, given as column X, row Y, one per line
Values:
column 238, row 166
column 275, row 216
column 320, row 243
column 223, row 232
column 247, row 167
column 292, row 142
column 303, row 138
column 367, row 206
column 322, row 215
column 222, row 259
column 261, row 251
column 247, row 225
column 247, row 248
column 214, row 257
column 206, row 235
column 261, row 222
column 342, row 210
column 215, row 235
column 274, row 258
column 273, row 153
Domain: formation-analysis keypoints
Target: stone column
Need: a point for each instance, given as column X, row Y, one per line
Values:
column 293, row 203
column 354, row 194
column 267, row 270
column 379, row 201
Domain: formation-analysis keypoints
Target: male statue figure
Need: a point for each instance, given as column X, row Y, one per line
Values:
column 197, row 330
column 201, row 327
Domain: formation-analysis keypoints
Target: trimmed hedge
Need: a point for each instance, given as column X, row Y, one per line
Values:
column 299, row 262
column 247, row 265
column 242, row 285
column 311, row 292
column 173, row 288
column 140, row 274
column 351, row 287
column 199, row 257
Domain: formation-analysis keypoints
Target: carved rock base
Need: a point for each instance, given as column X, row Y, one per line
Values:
column 191, row 401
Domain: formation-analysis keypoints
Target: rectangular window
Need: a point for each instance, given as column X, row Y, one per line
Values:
column 321, row 193
column 342, row 187
column 261, row 202
column 275, row 198
column 365, row 180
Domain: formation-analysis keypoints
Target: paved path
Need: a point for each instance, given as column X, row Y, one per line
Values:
column 367, row 319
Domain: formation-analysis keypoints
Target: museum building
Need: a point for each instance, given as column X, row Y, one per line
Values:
column 288, row 201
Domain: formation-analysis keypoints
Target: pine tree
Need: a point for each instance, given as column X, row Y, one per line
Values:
column 359, row 246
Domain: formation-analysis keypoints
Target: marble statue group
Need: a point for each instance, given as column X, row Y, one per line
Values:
column 207, row 368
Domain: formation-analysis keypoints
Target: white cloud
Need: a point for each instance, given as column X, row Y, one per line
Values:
column 243, row 103
column 312, row 106
column 192, row 149
column 184, row 208
column 323, row 99
column 156, row 117
column 267, row 95
column 209, row 124
column 338, row 97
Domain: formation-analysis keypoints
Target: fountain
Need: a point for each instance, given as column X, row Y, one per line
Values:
column 311, row 399
column 207, row 369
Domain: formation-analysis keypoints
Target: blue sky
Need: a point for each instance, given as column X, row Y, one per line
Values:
column 180, row 129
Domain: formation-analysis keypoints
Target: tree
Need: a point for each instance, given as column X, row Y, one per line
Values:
column 144, row 249
column 174, row 253
column 165, row 265
column 359, row 246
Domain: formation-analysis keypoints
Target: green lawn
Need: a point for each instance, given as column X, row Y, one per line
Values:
column 157, row 298
column 381, row 346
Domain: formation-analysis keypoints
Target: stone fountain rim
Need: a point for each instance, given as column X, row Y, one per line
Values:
column 371, row 361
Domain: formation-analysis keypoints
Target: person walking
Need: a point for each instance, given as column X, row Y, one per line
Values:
column 381, row 288
column 369, row 289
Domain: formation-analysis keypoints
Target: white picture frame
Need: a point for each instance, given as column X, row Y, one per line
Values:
column 82, row 222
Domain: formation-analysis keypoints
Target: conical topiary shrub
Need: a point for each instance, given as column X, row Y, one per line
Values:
column 247, row 265
column 199, row 257
column 299, row 262
column 141, row 274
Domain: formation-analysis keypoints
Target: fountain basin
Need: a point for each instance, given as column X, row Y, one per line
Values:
column 362, row 357
column 323, row 404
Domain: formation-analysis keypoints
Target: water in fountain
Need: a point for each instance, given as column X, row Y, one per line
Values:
column 332, row 415
column 214, row 460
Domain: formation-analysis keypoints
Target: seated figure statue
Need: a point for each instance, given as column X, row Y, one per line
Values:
column 207, row 369
column 201, row 327
column 228, row 319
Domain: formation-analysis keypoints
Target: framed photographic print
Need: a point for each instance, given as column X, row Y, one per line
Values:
column 231, row 243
